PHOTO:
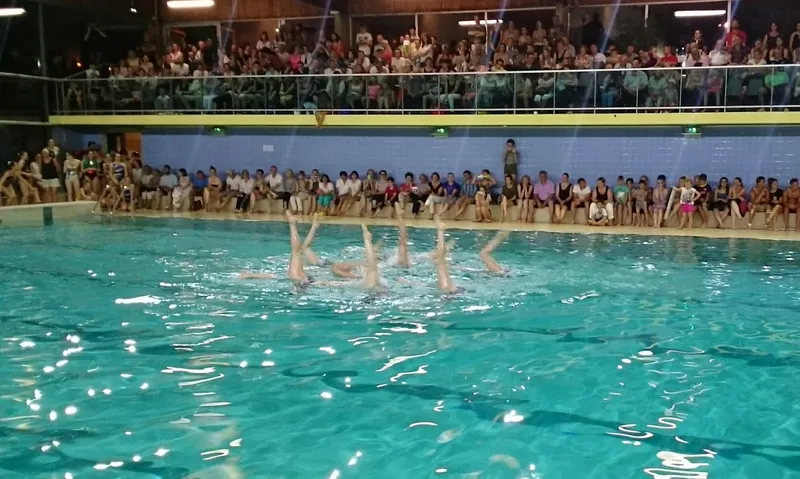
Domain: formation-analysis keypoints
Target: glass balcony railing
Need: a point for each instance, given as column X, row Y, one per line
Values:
column 25, row 97
column 698, row 89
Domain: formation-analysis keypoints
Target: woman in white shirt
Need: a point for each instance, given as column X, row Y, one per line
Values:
column 718, row 56
column 232, row 186
column 246, row 186
column 263, row 42
column 342, row 194
column 425, row 51
column 300, row 194
column 581, row 196
column 182, row 191
column 353, row 186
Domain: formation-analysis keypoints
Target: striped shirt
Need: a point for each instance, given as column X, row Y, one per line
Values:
column 469, row 190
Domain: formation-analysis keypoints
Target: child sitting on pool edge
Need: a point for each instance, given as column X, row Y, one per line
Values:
column 688, row 195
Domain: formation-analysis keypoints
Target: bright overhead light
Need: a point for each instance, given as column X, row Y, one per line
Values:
column 190, row 3
column 470, row 23
column 11, row 12
column 699, row 13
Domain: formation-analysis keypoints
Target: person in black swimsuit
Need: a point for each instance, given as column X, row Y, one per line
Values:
column 508, row 196
column 720, row 201
column 601, row 211
column 775, row 195
column 563, row 199
column 50, row 181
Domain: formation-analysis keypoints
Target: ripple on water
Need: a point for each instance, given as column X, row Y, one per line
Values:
column 163, row 363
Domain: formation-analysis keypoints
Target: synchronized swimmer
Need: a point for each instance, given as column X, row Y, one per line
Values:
column 367, row 271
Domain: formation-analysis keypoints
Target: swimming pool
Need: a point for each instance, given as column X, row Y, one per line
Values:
column 130, row 349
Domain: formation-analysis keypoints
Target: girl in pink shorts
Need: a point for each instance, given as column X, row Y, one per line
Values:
column 688, row 196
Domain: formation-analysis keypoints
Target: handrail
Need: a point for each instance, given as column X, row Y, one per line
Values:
column 471, row 73
column 22, row 76
column 83, row 72
column 677, row 89
column 75, row 77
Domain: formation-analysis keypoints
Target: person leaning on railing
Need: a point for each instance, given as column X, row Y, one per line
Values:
column 796, row 94
column 634, row 85
column 656, row 90
column 777, row 83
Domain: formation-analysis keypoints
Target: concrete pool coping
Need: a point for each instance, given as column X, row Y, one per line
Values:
column 469, row 225
column 44, row 214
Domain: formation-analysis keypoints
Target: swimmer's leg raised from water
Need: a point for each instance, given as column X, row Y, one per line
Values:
column 311, row 257
column 440, row 260
column 402, row 246
column 486, row 253
column 372, row 278
column 296, row 272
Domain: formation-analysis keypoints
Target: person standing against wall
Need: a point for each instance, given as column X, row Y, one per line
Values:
column 510, row 159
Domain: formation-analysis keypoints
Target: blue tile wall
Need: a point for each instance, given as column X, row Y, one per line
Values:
column 74, row 140
column 588, row 152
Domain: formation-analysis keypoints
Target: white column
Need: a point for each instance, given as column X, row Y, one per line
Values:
column 730, row 15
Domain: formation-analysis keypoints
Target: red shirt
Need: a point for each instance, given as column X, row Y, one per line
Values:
column 735, row 33
column 338, row 48
column 391, row 191
column 406, row 188
column 669, row 60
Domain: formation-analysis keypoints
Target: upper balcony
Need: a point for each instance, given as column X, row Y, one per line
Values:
column 728, row 90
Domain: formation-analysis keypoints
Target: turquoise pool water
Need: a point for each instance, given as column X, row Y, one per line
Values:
column 130, row 349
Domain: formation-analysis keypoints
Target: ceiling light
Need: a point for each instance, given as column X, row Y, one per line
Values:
column 190, row 3
column 470, row 23
column 699, row 13
column 11, row 12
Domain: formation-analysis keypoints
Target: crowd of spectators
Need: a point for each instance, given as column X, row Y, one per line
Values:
column 543, row 69
column 119, row 181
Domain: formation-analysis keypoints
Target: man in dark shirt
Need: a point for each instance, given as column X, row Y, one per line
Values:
column 592, row 32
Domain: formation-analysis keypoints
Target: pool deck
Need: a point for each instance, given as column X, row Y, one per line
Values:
column 744, row 233
column 43, row 214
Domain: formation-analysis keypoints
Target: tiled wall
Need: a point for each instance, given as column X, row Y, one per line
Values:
column 74, row 140
column 588, row 152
